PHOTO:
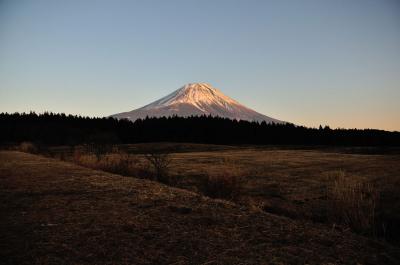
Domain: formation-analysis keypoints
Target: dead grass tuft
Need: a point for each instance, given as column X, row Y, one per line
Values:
column 225, row 185
column 352, row 202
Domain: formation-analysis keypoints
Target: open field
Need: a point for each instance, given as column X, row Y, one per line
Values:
column 56, row 212
column 295, row 183
column 309, row 183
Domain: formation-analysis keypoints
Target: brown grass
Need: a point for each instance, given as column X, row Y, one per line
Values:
column 352, row 202
column 58, row 213
column 119, row 163
column 289, row 183
column 55, row 212
column 224, row 185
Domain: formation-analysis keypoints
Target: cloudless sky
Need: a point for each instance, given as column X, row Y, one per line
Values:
column 310, row 62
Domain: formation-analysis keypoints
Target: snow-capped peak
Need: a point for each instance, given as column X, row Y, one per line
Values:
column 195, row 99
column 196, row 94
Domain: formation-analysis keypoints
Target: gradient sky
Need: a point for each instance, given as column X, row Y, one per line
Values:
column 308, row 62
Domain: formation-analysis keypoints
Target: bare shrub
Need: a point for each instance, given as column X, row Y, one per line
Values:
column 27, row 147
column 352, row 202
column 225, row 186
column 160, row 163
column 120, row 163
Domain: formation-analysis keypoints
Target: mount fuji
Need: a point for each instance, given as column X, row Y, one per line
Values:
column 196, row 99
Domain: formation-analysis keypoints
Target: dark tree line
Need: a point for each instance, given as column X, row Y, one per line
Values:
column 61, row 129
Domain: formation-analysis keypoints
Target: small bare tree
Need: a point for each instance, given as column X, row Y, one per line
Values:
column 160, row 163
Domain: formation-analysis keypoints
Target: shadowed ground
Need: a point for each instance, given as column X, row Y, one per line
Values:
column 54, row 212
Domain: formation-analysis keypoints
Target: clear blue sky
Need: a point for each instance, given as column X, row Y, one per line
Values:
column 309, row 62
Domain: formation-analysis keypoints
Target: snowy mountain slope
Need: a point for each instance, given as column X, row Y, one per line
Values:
column 196, row 99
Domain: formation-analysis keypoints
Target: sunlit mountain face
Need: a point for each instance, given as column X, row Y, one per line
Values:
column 196, row 99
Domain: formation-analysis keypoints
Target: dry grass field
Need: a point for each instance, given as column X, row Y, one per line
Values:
column 297, row 183
column 348, row 188
column 285, row 206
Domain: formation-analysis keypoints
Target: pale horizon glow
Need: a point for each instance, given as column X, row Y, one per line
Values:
column 308, row 62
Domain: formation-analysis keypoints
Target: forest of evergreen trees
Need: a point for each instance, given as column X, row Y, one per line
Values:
column 61, row 129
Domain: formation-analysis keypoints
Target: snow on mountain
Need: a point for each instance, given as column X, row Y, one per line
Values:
column 196, row 99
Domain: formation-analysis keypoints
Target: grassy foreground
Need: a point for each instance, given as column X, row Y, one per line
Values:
column 347, row 188
column 56, row 212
